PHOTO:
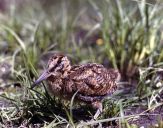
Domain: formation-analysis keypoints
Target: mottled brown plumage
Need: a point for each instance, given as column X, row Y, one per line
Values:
column 91, row 81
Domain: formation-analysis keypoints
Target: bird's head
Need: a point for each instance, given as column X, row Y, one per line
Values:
column 57, row 65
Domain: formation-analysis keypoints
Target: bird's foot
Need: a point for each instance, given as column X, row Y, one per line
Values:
column 98, row 106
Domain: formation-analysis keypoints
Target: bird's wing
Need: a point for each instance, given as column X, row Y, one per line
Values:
column 92, row 79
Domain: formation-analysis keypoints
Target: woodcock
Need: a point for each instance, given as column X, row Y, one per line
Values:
column 91, row 82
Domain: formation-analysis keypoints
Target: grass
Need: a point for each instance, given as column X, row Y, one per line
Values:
column 122, row 34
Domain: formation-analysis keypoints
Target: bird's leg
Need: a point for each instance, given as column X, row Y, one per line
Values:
column 95, row 104
column 98, row 106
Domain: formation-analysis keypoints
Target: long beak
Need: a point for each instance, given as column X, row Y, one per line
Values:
column 43, row 76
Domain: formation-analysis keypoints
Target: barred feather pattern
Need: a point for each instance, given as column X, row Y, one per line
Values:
column 92, row 81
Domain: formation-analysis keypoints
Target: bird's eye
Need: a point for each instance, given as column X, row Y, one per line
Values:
column 52, row 69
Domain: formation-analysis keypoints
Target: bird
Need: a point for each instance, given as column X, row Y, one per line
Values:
column 91, row 82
